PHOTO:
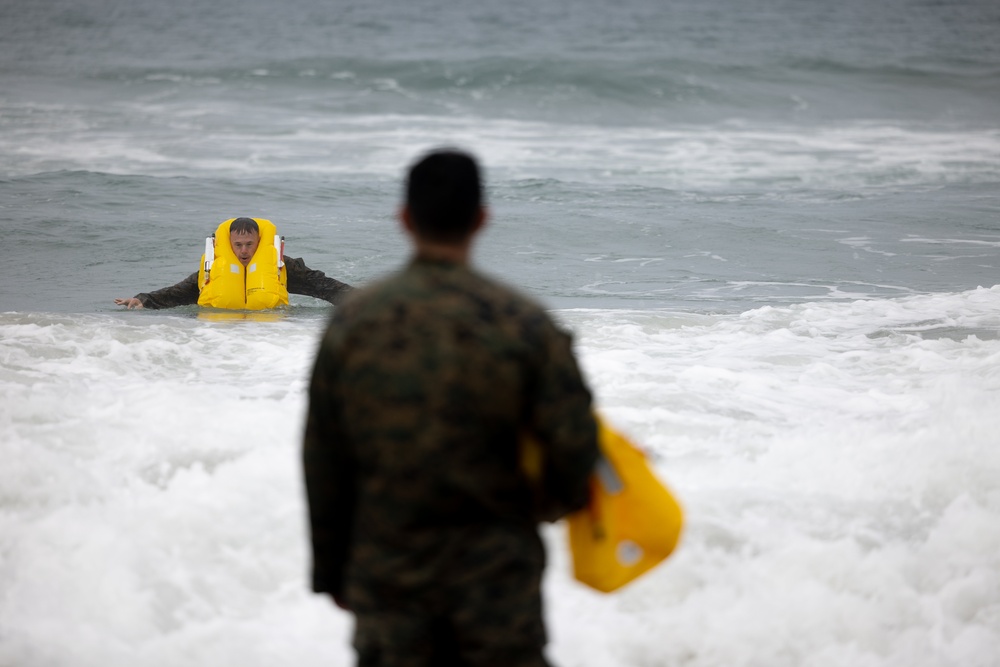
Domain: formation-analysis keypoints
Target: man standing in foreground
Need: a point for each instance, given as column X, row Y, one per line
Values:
column 423, row 523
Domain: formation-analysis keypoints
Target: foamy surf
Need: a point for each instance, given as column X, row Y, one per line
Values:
column 837, row 462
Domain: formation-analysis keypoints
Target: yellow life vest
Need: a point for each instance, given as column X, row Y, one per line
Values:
column 228, row 284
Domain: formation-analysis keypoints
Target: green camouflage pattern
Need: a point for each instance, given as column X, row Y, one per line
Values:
column 419, row 509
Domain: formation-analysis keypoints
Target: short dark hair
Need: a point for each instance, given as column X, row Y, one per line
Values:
column 444, row 194
column 244, row 226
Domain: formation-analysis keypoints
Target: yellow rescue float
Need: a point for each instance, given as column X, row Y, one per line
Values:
column 632, row 522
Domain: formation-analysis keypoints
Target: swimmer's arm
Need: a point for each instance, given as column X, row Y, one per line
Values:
column 310, row 282
column 184, row 293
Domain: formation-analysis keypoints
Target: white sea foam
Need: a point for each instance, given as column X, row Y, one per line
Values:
column 837, row 462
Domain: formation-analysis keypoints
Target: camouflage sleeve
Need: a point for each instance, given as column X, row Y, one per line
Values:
column 303, row 280
column 184, row 293
column 563, row 420
column 329, row 480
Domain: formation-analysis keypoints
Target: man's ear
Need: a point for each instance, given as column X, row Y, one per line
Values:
column 405, row 219
column 482, row 217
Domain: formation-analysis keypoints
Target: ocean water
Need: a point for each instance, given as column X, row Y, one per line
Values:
column 773, row 228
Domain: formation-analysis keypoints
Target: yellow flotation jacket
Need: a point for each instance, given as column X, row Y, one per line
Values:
column 224, row 282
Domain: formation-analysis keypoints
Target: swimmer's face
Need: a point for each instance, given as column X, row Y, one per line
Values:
column 244, row 245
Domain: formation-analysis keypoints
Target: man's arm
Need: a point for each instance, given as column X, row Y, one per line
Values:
column 184, row 293
column 330, row 482
column 563, row 421
column 303, row 280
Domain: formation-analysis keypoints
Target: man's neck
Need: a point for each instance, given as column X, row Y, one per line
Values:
column 442, row 252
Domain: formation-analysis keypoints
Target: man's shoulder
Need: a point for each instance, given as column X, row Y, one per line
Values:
column 375, row 291
column 512, row 299
column 422, row 284
column 469, row 283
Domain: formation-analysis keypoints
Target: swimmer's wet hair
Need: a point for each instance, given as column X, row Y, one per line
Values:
column 244, row 226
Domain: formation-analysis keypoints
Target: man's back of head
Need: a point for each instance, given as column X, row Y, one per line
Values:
column 444, row 196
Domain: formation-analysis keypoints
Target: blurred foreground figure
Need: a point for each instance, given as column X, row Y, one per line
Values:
column 423, row 523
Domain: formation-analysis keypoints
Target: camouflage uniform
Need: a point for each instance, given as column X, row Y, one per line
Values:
column 301, row 280
column 422, row 522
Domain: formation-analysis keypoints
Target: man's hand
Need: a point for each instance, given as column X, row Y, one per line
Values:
column 131, row 304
